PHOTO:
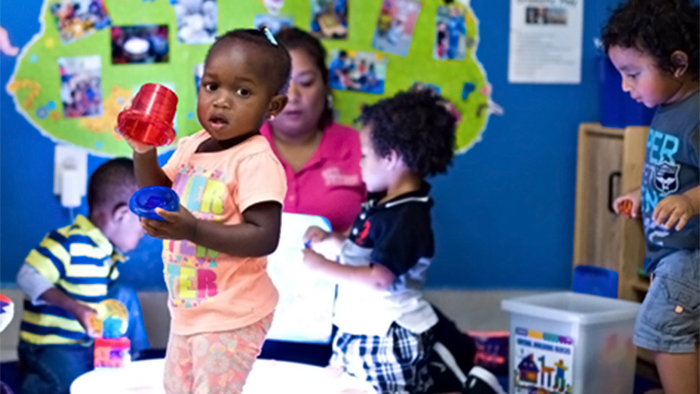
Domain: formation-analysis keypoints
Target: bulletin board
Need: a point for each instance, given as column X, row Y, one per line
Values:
column 91, row 56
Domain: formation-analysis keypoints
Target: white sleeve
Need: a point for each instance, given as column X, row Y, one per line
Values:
column 32, row 283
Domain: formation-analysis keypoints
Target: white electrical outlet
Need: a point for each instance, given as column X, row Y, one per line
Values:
column 70, row 157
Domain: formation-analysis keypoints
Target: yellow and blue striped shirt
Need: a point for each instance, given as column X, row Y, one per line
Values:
column 80, row 261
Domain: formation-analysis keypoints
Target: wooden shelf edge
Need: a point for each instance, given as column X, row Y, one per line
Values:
column 640, row 285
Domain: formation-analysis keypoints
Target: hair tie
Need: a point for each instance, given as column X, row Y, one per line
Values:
column 269, row 35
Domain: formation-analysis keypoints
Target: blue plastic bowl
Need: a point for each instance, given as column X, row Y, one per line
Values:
column 145, row 201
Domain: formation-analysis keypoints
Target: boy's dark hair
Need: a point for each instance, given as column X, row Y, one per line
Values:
column 293, row 38
column 418, row 126
column 279, row 64
column 111, row 184
column 658, row 28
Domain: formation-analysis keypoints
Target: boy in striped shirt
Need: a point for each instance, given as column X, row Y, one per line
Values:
column 68, row 274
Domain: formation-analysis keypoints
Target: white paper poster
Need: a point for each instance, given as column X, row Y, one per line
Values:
column 305, row 309
column 545, row 41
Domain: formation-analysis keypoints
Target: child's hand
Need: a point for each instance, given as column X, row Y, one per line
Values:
column 674, row 210
column 312, row 259
column 84, row 314
column 135, row 145
column 333, row 371
column 177, row 225
column 315, row 234
column 629, row 204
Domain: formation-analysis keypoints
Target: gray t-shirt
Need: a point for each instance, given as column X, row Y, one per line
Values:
column 671, row 167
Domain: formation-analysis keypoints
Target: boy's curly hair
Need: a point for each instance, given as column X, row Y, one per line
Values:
column 658, row 28
column 418, row 126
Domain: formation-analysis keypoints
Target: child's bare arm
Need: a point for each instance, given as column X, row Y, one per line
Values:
column 677, row 209
column 256, row 236
column 82, row 313
column 632, row 210
column 375, row 276
column 147, row 169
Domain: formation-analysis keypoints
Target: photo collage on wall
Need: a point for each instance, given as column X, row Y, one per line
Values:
column 357, row 71
column 450, row 33
column 197, row 20
column 329, row 19
column 394, row 30
column 141, row 44
column 81, row 86
column 81, row 79
column 77, row 19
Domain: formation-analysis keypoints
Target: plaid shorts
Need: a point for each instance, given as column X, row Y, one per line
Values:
column 396, row 363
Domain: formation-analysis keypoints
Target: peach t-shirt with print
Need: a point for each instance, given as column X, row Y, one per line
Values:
column 212, row 291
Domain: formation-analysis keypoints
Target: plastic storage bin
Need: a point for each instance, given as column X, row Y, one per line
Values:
column 571, row 343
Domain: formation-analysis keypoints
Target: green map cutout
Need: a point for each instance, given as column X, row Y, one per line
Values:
column 36, row 83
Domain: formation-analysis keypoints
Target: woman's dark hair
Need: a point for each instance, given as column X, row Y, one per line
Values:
column 658, row 28
column 293, row 38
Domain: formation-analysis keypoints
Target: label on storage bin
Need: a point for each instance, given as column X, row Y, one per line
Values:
column 543, row 362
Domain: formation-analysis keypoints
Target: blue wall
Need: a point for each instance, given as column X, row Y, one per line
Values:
column 504, row 213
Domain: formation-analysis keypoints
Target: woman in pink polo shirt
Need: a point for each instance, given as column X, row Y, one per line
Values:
column 321, row 158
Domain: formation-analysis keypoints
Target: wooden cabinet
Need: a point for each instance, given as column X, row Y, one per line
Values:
column 610, row 162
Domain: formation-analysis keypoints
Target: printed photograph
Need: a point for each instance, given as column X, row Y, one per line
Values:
column 545, row 16
column 420, row 86
column 142, row 44
column 357, row 71
column 198, row 71
column 451, row 33
column 329, row 19
column 273, row 22
column 395, row 25
column 196, row 21
column 81, row 86
column 76, row 19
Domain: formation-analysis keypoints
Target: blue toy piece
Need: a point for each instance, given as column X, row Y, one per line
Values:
column 113, row 327
column 145, row 201
column 589, row 279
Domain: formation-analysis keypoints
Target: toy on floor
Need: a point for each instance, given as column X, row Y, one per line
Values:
column 112, row 319
column 7, row 311
column 112, row 352
column 144, row 202
column 110, row 323
column 149, row 119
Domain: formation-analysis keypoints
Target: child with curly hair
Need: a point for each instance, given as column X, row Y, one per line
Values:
column 385, row 325
column 654, row 45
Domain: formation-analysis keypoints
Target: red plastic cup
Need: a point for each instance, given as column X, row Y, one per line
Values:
column 149, row 120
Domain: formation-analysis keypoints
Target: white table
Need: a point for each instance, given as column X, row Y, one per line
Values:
column 267, row 377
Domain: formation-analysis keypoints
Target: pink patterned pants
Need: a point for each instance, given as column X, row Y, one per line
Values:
column 213, row 363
